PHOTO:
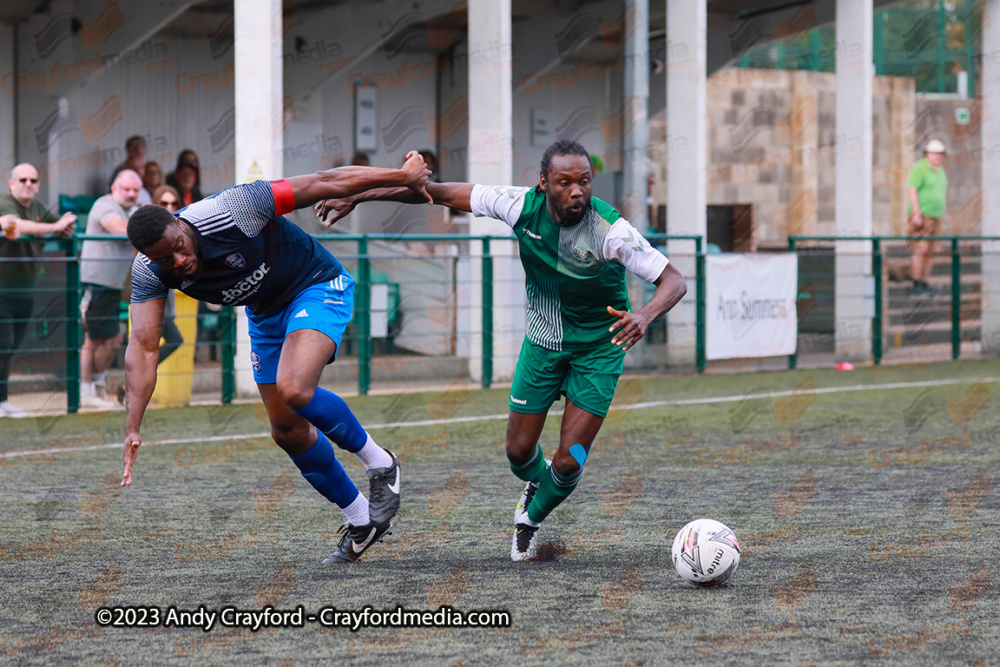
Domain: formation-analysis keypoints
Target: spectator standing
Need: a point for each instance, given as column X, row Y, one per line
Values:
column 24, row 220
column 135, row 157
column 926, row 189
column 186, row 177
column 104, row 268
column 153, row 176
column 168, row 198
column 186, row 183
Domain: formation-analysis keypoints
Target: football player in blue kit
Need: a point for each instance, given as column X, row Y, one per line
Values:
column 236, row 249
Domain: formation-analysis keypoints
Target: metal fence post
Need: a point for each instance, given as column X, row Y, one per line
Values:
column 971, row 28
column 956, row 300
column 877, row 320
column 364, row 317
column 699, row 317
column 228, row 317
column 73, row 341
column 793, row 358
column 487, row 378
column 942, row 42
column 878, row 43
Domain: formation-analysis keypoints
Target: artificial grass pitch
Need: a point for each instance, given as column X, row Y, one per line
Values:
column 866, row 518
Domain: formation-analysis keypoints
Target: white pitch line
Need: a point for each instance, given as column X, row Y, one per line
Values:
column 456, row 420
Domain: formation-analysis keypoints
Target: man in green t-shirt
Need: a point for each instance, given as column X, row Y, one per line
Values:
column 24, row 221
column 575, row 250
column 926, row 197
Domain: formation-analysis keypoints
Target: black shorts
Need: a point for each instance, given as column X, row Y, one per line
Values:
column 100, row 311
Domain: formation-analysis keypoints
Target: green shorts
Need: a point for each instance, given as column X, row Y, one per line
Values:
column 585, row 375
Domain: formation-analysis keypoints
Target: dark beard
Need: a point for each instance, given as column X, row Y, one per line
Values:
column 570, row 218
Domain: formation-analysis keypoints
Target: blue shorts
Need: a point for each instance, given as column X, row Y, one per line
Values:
column 325, row 307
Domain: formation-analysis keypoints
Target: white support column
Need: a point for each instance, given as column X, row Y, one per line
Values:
column 989, row 134
column 635, row 142
column 854, row 284
column 259, row 92
column 257, row 27
column 686, row 159
column 491, row 163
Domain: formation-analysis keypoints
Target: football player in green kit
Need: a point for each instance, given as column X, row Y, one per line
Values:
column 575, row 250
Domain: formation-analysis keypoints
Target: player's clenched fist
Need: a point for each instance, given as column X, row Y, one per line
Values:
column 129, row 455
column 417, row 174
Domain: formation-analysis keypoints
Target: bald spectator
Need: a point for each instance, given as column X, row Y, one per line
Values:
column 104, row 268
column 23, row 220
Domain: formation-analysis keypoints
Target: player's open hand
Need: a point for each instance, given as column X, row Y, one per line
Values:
column 129, row 454
column 631, row 328
column 335, row 208
column 417, row 173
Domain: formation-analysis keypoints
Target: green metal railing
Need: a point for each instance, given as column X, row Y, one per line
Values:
column 699, row 279
column 364, row 283
column 74, row 335
column 877, row 275
column 74, row 330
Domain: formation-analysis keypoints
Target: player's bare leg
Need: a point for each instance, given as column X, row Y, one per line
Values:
column 524, row 453
column 523, row 432
column 577, row 432
column 304, row 354
column 579, row 427
column 291, row 432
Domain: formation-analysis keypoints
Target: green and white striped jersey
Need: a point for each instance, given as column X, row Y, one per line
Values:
column 573, row 273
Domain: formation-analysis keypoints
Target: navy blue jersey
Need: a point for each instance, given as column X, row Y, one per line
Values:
column 248, row 255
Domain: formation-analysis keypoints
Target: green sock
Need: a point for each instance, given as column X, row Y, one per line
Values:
column 552, row 490
column 533, row 469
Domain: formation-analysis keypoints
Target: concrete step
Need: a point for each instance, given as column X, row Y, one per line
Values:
column 900, row 270
column 928, row 313
column 933, row 332
column 901, row 291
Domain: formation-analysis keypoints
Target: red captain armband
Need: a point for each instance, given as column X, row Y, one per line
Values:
column 284, row 196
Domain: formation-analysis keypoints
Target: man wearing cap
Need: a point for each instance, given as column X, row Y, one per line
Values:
column 926, row 190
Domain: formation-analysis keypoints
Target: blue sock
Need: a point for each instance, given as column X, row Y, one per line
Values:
column 322, row 469
column 330, row 414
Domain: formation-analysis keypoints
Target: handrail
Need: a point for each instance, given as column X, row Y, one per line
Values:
column 406, row 237
column 363, row 296
column 795, row 238
column 877, row 271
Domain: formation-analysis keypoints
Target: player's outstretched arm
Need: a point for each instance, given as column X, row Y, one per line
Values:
column 631, row 327
column 453, row 195
column 347, row 181
column 141, row 357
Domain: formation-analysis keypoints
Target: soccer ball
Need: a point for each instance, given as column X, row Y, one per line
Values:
column 706, row 552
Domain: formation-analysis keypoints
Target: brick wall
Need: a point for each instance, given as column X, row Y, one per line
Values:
column 772, row 143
